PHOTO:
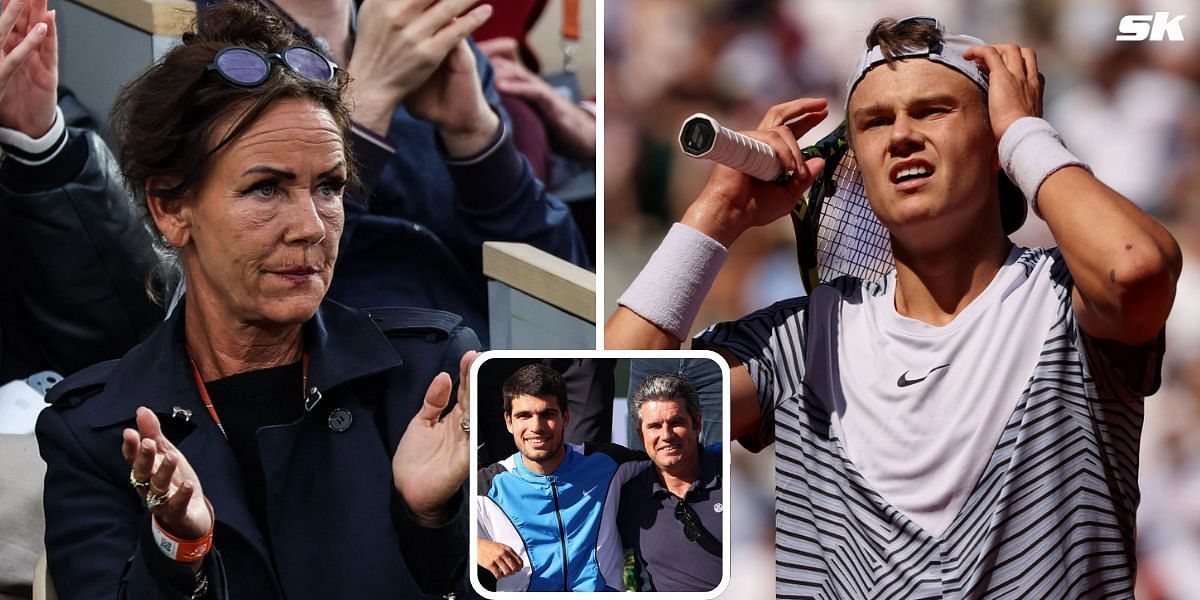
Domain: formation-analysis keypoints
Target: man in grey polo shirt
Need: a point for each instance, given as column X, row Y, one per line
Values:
column 670, row 515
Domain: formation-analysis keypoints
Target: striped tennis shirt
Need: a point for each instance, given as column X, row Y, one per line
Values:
column 1050, row 466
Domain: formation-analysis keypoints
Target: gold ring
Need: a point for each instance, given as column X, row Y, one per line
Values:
column 155, row 498
column 138, row 484
column 466, row 425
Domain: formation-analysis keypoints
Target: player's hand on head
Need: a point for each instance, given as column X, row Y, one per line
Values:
column 733, row 202
column 1015, row 86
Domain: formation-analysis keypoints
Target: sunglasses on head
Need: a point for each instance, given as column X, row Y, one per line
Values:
column 248, row 67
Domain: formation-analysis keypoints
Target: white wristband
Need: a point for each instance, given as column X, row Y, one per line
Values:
column 1030, row 151
column 669, row 290
column 35, row 152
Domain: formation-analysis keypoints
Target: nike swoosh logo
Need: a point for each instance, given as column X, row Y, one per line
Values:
column 588, row 492
column 905, row 382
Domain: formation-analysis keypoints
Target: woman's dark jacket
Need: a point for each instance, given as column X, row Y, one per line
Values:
column 336, row 526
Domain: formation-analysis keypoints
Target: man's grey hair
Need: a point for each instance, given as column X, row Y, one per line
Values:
column 666, row 386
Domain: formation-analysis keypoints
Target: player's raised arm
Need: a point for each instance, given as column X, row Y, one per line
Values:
column 657, row 310
column 1125, row 264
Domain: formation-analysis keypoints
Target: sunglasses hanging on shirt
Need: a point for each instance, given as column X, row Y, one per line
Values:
column 694, row 529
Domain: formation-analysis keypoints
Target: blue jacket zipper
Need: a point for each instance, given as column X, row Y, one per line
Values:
column 562, row 531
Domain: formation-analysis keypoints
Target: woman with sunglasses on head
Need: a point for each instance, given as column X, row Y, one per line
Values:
column 263, row 442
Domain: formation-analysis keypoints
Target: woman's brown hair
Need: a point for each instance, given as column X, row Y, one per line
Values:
column 166, row 121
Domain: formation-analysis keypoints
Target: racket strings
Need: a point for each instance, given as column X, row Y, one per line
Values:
column 850, row 239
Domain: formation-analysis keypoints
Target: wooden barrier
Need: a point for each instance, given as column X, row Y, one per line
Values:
column 537, row 301
column 104, row 44
column 156, row 17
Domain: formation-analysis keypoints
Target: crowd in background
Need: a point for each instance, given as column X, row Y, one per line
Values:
column 1128, row 109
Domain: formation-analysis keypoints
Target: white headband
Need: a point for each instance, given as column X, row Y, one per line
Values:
column 949, row 52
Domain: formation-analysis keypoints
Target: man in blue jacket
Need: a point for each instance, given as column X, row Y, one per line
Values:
column 547, row 514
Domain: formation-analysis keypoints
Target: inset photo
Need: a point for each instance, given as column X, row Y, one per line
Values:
column 600, row 471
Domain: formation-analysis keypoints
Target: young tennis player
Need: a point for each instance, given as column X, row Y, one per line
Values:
column 968, row 424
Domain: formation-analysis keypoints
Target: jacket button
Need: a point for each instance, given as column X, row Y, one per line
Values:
column 340, row 419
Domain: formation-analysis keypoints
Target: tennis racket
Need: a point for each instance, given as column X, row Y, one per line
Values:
column 837, row 233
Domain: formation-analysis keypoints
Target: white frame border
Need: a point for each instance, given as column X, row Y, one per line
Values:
column 726, row 455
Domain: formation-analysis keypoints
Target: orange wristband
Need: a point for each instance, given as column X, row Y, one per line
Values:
column 181, row 550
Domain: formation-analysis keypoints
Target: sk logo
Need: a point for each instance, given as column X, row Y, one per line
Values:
column 1156, row 28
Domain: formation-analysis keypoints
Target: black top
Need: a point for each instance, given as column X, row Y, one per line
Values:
column 247, row 401
column 666, row 560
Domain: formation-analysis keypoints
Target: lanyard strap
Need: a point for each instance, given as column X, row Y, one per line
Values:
column 570, row 33
column 570, row 20
column 212, row 410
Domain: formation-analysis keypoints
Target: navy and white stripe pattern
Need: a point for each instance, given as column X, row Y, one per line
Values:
column 35, row 152
column 1052, row 516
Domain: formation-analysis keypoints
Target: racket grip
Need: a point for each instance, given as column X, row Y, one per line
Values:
column 702, row 137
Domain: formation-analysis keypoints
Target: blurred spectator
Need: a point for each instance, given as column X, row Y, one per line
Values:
column 1169, row 518
column 69, row 296
column 703, row 374
column 570, row 128
column 1124, row 115
column 443, row 176
column 553, row 124
column 514, row 22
